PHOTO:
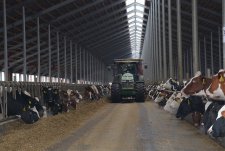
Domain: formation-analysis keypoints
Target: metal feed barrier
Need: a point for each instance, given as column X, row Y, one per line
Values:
column 34, row 88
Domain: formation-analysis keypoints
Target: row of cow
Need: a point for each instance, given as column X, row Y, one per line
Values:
column 200, row 96
column 54, row 101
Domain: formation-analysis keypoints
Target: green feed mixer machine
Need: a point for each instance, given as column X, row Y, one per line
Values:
column 128, row 80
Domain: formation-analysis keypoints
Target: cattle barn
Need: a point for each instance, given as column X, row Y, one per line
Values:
column 61, row 89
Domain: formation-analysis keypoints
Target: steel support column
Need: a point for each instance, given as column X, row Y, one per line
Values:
column 170, row 39
column 58, row 60
column 219, row 43
column 164, row 42
column 159, row 42
column 156, row 41
column 71, row 62
column 212, row 62
column 76, row 58
column 223, row 15
column 80, row 66
column 49, row 54
column 5, row 42
column 195, row 35
column 24, row 48
column 65, row 67
column 179, row 42
column 153, row 43
column 84, row 66
column 205, row 56
column 199, row 54
column 89, row 67
column 39, row 51
column 92, row 69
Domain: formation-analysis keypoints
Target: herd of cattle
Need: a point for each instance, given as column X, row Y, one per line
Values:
column 202, row 97
column 21, row 104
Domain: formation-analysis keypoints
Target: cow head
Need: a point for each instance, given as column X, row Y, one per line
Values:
column 167, row 84
column 172, row 84
column 216, row 90
column 196, row 86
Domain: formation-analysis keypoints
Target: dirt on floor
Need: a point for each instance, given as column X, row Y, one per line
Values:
column 19, row 136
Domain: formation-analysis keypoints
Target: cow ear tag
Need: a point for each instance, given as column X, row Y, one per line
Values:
column 221, row 79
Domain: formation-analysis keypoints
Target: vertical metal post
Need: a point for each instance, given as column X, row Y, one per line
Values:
column 205, row 56
column 159, row 41
column 49, row 54
column 184, row 65
column 195, row 35
column 39, row 52
column 223, row 15
column 90, row 73
column 89, row 67
column 156, row 41
column 24, row 48
column 170, row 39
column 164, row 41
column 87, row 63
column 219, row 43
column 179, row 42
column 65, row 67
column 84, row 66
column 154, row 45
column 92, row 69
column 151, row 43
column 158, row 20
column 5, row 42
column 96, row 80
column 58, row 60
column 80, row 69
column 71, row 63
column 199, row 54
column 76, row 58
column 212, row 67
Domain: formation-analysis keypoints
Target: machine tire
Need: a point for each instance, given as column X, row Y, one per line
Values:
column 115, row 93
column 140, row 92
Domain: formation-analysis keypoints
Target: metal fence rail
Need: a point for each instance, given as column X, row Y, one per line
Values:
column 34, row 88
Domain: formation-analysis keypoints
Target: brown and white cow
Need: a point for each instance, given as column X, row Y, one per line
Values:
column 216, row 90
column 196, row 85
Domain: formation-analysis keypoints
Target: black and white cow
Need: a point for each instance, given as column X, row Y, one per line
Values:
column 193, row 104
column 52, row 100
column 25, row 106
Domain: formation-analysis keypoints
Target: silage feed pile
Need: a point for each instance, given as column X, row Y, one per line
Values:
column 47, row 131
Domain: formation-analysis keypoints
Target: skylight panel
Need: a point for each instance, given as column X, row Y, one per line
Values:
column 130, row 15
column 140, row 8
column 138, row 19
column 131, row 20
column 128, row 2
column 138, row 24
column 140, row 2
column 130, row 8
column 135, row 20
column 139, row 14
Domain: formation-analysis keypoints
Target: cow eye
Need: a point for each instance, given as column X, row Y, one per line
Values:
column 193, row 81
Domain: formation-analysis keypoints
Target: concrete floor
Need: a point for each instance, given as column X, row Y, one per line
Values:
column 136, row 127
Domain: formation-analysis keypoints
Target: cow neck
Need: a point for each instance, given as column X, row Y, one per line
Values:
column 205, row 84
